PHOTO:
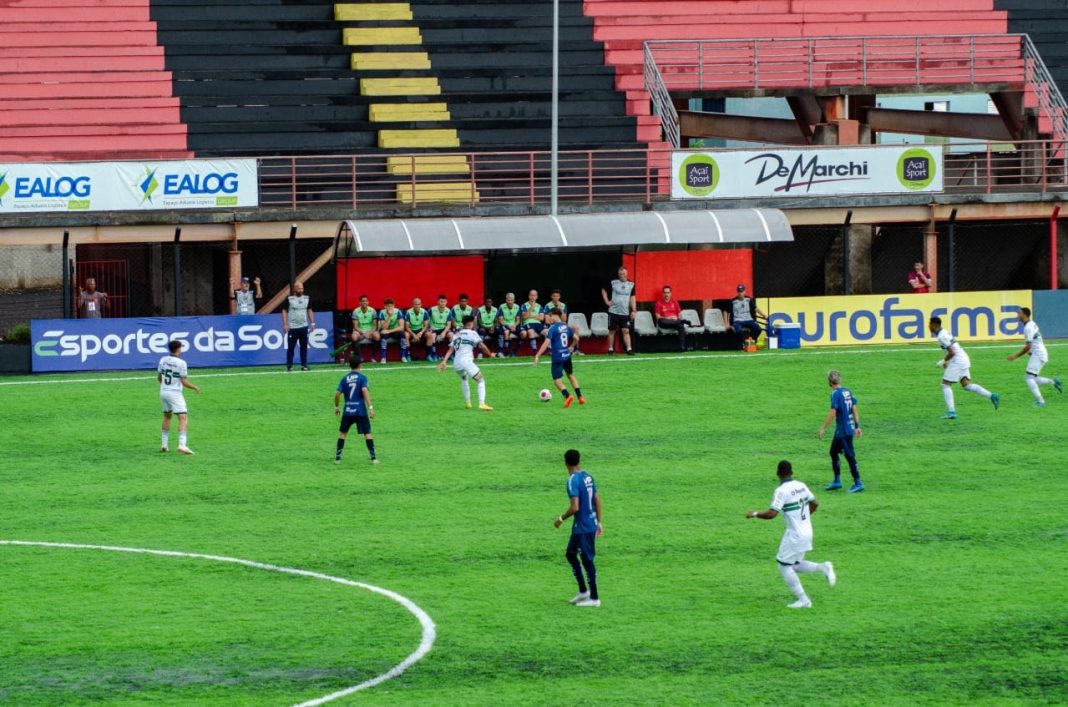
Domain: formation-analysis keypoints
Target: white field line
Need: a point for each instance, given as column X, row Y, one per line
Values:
column 393, row 367
column 425, row 644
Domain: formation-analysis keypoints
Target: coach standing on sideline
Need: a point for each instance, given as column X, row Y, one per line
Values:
column 297, row 320
column 621, row 309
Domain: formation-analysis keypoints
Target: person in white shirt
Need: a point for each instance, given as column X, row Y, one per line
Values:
column 958, row 370
column 797, row 504
column 173, row 375
column 463, row 345
column 1039, row 357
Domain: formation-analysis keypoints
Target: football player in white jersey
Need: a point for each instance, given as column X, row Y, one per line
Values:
column 797, row 504
column 462, row 350
column 958, row 370
column 1039, row 357
column 173, row 375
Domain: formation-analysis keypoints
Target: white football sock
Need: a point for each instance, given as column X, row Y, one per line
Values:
column 1042, row 380
column 181, row 439
column 482, row 392
column 1032, row 384
column 804, row 566
column 466, row 387
column 166, row 439
column 977, row 389
column 947, row 393
column 792, row 581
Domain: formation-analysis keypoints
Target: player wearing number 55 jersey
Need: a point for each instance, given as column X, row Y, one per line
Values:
column 1034, row 346
column 563, row 341
column 173, row 375
column 462, row 349
column 585, row 505
column 797, row 504
column 358, row 409
column 958, row 369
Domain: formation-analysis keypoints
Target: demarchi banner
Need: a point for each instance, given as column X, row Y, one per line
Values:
column 845, row 171
column 138, row 343
column 128, row 186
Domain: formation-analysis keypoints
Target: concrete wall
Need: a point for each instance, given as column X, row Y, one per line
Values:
column 30, row 267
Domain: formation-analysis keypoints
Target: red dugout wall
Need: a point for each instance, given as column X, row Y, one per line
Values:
column 405, row 278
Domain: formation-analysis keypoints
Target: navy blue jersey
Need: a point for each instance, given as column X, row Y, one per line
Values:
column 580, row 485
column 560, row 341
column 842, row 402
column 351, row 388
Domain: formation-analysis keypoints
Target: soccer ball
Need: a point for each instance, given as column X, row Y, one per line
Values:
column 544, row 395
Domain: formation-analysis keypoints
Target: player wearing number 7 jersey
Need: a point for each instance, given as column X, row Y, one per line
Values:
column 585, row 505
column 797, row 504
column 563, row 340
column 173, row 375
column 358, row 408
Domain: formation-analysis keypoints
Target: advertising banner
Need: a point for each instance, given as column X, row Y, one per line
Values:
column 128, row 186
column 901, row 319
column 122, row 344
column 849, row 171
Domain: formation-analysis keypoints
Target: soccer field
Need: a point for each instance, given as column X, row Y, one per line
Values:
column 952, row 573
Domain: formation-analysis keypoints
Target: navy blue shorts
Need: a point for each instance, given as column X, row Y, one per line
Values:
column 438, row 332
column 584, row 543
column 537, row 327
column 560, row 368
column 488, row 333
column 843, row 445
column 362, row 422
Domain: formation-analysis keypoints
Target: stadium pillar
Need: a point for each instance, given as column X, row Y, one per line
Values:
column 67, row 298
column 292, row 256
column 177, row 272
column 1054, row 259
column 930, row 251
column 235, row 274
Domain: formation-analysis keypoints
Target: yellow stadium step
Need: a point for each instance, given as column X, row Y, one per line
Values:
column 408, row 112
column 379, row 61
column 452, row 192
column 418, row 86
column 437, row 137
column 353, row 12
column 428, row 164
column 380, row 36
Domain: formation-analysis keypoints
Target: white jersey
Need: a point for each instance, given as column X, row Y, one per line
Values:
column 948, row 342
column 791, row 499
column 1034, row 337
column 172, row 371
column 463, row 345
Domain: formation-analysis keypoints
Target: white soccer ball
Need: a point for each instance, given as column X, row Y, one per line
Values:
column 545, row 395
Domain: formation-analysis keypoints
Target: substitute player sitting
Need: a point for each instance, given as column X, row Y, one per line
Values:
column 417, row 326
column 463, row 346
column 364, row 324
column 441, row 326
column 391, row 327
column 486, row 321
column 358, row 408
column 563, row 340
column 173, row 375
column 508, row 323
column 532, row 321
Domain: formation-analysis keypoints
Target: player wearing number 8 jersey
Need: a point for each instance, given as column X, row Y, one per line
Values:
column 462, row 349
column 173, row 375
column 563, row 341
column 797, row 504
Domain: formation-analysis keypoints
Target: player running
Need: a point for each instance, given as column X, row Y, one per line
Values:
column 463, row 345
column 358, row 408
column 1039, row 357
column 563, row 340
column 846, row 416
column 173, row 375
column 797, row 504
column 957, row 365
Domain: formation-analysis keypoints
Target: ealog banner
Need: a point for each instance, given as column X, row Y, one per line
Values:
column 840, row 171
column 901, row 319
column 128, row 186
column 121, row 344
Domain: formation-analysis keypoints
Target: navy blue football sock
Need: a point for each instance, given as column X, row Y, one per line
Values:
column 370, row 447
column 340, row 446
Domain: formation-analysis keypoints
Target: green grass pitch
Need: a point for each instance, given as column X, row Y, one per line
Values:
column 952, row 571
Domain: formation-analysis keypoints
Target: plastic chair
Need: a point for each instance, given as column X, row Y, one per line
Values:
column 598, row 323
column 693, row 321
column 644, row 325
column 577, row 320
column 714, row 321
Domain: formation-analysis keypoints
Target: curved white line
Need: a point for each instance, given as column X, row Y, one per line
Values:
column 667, row 232
column 715, row 220
column 559, row 228
column 429, row 629
column 459, row 236
column 411, row 246
column 764, row 221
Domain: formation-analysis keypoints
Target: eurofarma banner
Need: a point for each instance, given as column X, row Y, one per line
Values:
column 128, row 186
column 891, row 169
column 901, row 319
column 122, row 344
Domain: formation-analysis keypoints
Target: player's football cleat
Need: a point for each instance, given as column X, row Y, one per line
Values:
column 832, row 578
column 805, row 603
column 483, row 406
column 163, row 449
column 630, row 352
column 303, row 368
column 337, row 461
column 995, row 400
column 568, row 400
column 185, row 450
column 1058, row 385
column 949, row 416
column 1040, row 403
column 374, row 461
column 856, row 488
column 834, row 486
column 406, row 359
column 467, row 405
column 382, row 360
column 582, row 400
column 588, row 602
column 581, row 596
column 289, row 369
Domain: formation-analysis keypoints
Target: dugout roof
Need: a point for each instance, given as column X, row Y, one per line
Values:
column 435, row 235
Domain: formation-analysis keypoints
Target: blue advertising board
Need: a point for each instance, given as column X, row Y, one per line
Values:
column 124, row 344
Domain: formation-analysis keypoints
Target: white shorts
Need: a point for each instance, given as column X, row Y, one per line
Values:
column 1035, row 364
column 793, row 547
column 466, row 370
column 955, row 371
column 173, row 401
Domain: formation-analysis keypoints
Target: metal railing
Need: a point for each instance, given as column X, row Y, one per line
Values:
column 1051, row 103
column 663, row 107
column 590, row 177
